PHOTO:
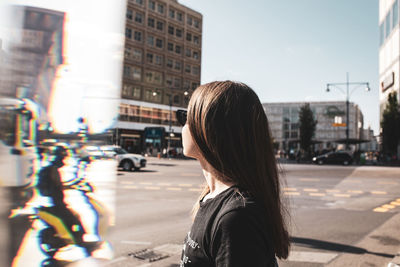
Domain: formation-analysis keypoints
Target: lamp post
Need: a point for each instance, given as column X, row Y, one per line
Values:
column 348, row 94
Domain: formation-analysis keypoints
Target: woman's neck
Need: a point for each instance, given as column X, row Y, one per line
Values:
column 215, row 185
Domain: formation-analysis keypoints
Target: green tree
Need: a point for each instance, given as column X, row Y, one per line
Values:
column 307, row 128
column 390, row 125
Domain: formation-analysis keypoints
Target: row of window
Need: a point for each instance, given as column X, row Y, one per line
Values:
column 156, row 77
column 154, row 41
column 389, row 23
column 151, row 95
column 136, row 54
column 172, row 13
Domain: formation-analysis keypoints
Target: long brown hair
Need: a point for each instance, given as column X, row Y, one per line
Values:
column 230, row 128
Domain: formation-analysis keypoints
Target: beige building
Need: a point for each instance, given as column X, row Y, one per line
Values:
column 389, row 51
column 330, row 131
column 162, row 67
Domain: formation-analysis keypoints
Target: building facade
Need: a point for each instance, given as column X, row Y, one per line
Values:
column 389, row 53
column 162, row 67
column 330, row 131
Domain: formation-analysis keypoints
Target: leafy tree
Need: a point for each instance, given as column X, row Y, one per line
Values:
column 391, row 125
column 307, row 128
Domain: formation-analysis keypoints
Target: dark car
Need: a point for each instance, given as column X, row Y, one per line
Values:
column 334, row 158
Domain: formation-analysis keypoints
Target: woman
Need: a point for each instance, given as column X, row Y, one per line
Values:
column 239, row 218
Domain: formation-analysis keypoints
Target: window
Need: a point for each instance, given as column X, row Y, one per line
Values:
column 178, row 49
column 170, row 47
column 139, row 18
column 196, row 23
column 178, row 33
column 127, row 71
column 171, row 30
column 188, row 68
column 150, row 22
column 169, row 63
column 137, row 92
column 152, row 5
column 159, row 60
column 160, row 8
column 196, row 70
column 149, row 57
column 128, row 33
column 139, row 2
column 189, row 21
column 186, row 85
column 150, row 40
column 177, row 82
column 127, row 52
column 194, row 85
column 154, row 77
column 188, row 52
column 172, row 13
column 195, row 55
column 395, row 13
column 168, row 80
column 178, row 65
column 189, row 37
column 129, row 14
column 388, row 24
column 196, row 39
column 138, row 36
column 177, row 99
column 137, row 73
column 160, row 25
column 293, row 134
column 159, row 43
column 137, row 55
column 179, row 16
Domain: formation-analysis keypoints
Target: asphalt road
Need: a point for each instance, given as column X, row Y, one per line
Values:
column 339, row 216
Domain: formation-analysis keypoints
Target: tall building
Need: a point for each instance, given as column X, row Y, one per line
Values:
column 330, row 130
column 389, row 51
column 162, row 66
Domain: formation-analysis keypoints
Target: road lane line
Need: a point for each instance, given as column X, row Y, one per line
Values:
column 396, row 203
column 317, row 194
column 379, row 209
column 388, row 206
column 152, row 188
column 341, row 195
column 378, row 192
column 291, row 193
column 185, row 185
column 130, row 187
column 174, row 188
column 310, row 190
column 314, row 257
column 145, row 183
column 289, row 189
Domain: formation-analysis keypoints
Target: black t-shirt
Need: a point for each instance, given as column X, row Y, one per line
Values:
column 228, row 230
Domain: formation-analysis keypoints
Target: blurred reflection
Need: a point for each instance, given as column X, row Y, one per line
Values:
column 60, row 199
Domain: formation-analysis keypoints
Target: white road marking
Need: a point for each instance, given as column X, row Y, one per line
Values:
column 378, row 193
column 317, row 194
column 114, row 261
column 174, row 188
column 291, row 193
column 310, row 190
column 185, row 185
column 315, row 257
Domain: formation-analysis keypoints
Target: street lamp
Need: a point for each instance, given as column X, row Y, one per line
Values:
column 348, row 94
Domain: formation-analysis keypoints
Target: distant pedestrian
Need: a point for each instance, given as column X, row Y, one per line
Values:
column 239, row 219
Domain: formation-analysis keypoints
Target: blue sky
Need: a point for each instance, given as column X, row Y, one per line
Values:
column 287, row 50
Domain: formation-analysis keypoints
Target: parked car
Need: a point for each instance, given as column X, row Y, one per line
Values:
column 126, row 160
column 339, row 157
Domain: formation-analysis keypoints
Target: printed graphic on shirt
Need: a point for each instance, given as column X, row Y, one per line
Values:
column 189, row 244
